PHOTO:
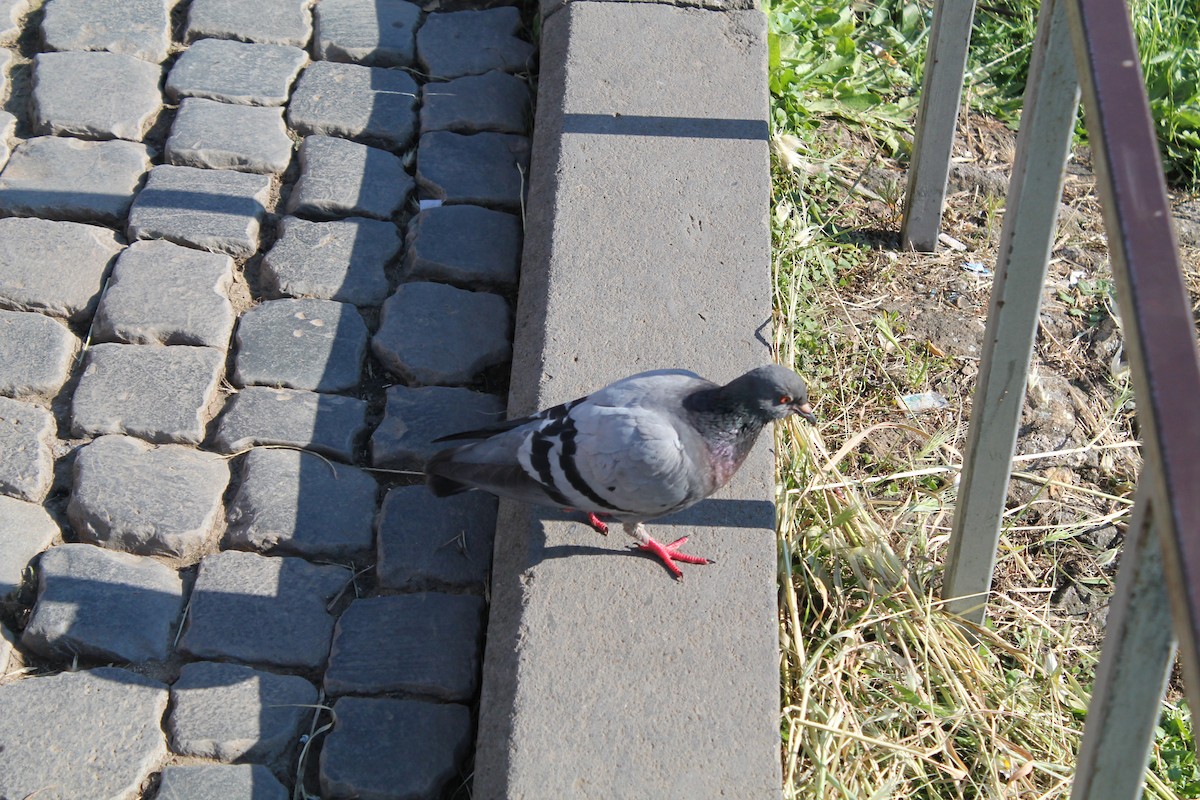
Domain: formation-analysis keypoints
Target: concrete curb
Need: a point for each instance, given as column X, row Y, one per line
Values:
column 647, row 246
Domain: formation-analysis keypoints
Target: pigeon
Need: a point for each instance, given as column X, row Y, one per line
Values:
column 638, row 449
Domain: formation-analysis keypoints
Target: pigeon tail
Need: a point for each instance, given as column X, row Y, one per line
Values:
column 441, row 486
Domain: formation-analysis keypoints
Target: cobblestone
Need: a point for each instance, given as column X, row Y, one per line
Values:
column 213, row 209
column 239, row 599
column 236, row 72
column 414, row 417
column 56, row 267
column 266, row 21
column 428, row 543
column 160, row 394
column 459, row 43
column 340, row 178
column 95, row 95
column 212, row 713
column 495, row 101
column 487, row 169
column 11, row 12
column 387, row 749
column 163, row 293
column 297, row 503
column 27, row 465
column 301, row 344
column 26, row 529
column 57, row 177
column 380, row 33
column 329, row 424
column 8, row 124
column 343, row 260
column 229, row 136
column 220, row 782
column 102, row 605
column 436, row 334
column 36, row 353
column 132, row 496
column 368, row 104
column 138, row 28
column 80, row 734
column 468, row 246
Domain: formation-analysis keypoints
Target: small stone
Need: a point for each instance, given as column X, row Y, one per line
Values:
column 267, row 21
column 56, row 177
column 102, row 605
column 487, row 169
column 236, row 72
column 213, row 209
column 301, row 344
column 163, row 293
column 473, row 42
column 431, row 333
column 138, row 28
column 425, row 644
column 56, row 267
column 26, row 463
column 467, row 246
column 148, row 500
column 228, row 136
column 415, row 417
column 95, row 95
column 376, row 32
column 494, row 101
column 262, row 610
column 343, row 260
column 340, row 178
column 159, row 394
column 387, row 748
column 26, row 529
column 8, row 125
column 36, row 352
column 428, row 542
column 89, row 734
column 220, row 782
column 228, row 712
column 329, row 424
column 367, row 104
column 297, row 503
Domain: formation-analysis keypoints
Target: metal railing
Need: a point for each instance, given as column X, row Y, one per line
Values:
column 1088, row 45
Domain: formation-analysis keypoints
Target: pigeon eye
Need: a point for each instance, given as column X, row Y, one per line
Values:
column 783, row 401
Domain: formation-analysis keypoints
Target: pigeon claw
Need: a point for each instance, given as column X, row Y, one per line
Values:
column 669, row 554
column 597, row 525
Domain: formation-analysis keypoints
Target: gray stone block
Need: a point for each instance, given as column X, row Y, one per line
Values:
column 262, row 610
column 213, row 209
column 229, row 136
column 220, row 782
column 329, row 424
column 86, row 734
column 421, row 644
column 297, row 503
column 236, row 72
column 431, row 333
column 8, row 125
column 11, row 13
column 25, row 530
column 415, row 417
column 495, row 101
column 36, row 352
column 467, row 246
column 160, row 394
column 228, row 712
column 385, row 748
column 151, row 500
column 56, row 267
column 56, row 177
column 102, row 605
column 138, row 28
column 342, row 260
column 95, row 95
column 473, row 42
column 301, row 344
column 381, row 33
column 26, row 463
column 163, row 293
column 266, row 21
column 439, row 543
column 487, row 169
column 340, row 178
column 368, row 104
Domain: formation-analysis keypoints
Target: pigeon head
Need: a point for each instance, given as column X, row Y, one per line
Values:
column 773, row 391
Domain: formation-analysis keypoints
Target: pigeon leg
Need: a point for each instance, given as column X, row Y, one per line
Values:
column 597, row 525
column 667, row 554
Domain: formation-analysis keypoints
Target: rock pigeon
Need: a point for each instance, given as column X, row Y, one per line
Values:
column 643, row 447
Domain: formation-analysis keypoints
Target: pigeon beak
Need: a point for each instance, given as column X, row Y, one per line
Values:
column 806, row 411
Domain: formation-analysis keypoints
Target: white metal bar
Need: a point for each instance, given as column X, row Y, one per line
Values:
column 941, row 92
column 1047, row 123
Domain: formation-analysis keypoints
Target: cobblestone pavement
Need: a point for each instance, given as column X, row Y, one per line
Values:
column 233, row 313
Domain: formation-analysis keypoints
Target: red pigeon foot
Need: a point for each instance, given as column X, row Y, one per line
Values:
column 597, row 525
column 668, row 554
